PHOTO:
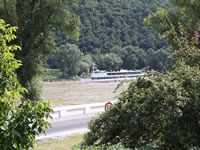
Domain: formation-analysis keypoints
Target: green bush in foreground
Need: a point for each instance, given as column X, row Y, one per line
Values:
column 102, row 147
column 19, row 123
column 159, row 109
column 109, row 147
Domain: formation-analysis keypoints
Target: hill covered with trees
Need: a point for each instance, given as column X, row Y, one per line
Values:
column 114, row 35
column 106, row 24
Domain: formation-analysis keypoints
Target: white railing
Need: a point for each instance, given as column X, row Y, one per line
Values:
column 60, row 112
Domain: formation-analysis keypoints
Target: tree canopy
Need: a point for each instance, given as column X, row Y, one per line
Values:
column 105, row 24
column 36, row 21
column 68, row 58
column 180, row 14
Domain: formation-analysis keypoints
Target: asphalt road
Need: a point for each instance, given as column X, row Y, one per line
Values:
column 67, row 126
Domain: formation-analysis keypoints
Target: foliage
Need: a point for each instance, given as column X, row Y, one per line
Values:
column 102, row 147
column 85, row 65
column 109, row 147
column 19, row 123
column 157, row 59
column 105, row 24
column 109, row 62
column 155, row 109
column 160, row 110
column 114, row 34
column 129, row 57
column 67, row 59
column 70, row 61
column 36, row 20
column 181, row 14
column 188, row 47
column 51, row 74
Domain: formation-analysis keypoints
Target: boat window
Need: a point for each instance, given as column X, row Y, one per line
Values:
column 123, row 73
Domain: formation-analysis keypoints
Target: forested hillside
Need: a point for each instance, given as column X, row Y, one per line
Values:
column 106, row 23
column 114, row 35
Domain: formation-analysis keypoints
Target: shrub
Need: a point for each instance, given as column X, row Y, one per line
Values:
column 102, row 147
column 159, row 109
column 19, row 123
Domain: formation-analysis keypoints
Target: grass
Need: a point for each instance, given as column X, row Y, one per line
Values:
column 51, row 74
column 60, row 144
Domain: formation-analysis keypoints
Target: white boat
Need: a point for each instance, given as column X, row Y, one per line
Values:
column 103, row 76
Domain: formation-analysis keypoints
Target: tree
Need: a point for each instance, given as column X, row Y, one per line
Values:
column 68, row 59
column 109, row 61
column 155, row 111
column 108, row 27
column 112, row 62
column 85, row 65
column 19, row 122
column 105, row 24
column 131, row 62
column 36, row 20
column 160, row 110
column 181, row 14
column 157, row 59
column 133, row 58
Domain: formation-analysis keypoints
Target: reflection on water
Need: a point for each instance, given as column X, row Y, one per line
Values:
column 66, row 93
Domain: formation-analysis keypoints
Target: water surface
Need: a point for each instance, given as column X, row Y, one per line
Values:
column 66, row 93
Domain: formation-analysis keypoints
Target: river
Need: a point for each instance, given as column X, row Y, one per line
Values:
column 65, row 93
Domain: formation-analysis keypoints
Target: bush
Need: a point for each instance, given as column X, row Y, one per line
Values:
column 159, row 110
column 19, row 123
column 102, row 147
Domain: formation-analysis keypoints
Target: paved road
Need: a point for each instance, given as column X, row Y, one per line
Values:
column 67, row 126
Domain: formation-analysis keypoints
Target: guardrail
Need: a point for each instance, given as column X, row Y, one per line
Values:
column 60, row 112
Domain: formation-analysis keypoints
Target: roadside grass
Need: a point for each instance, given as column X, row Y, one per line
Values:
column 60, row 144
column 51, row 75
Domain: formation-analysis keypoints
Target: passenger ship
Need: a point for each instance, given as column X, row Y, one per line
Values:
column 103, row 76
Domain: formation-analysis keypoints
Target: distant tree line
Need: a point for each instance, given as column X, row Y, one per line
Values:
column 112, row 36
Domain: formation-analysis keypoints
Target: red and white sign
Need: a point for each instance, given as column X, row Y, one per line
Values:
column 152, row 70
column 108, row 106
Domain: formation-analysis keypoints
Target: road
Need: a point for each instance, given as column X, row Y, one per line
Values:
column 67, row 126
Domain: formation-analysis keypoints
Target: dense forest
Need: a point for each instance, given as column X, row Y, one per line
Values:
column 112, row 36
